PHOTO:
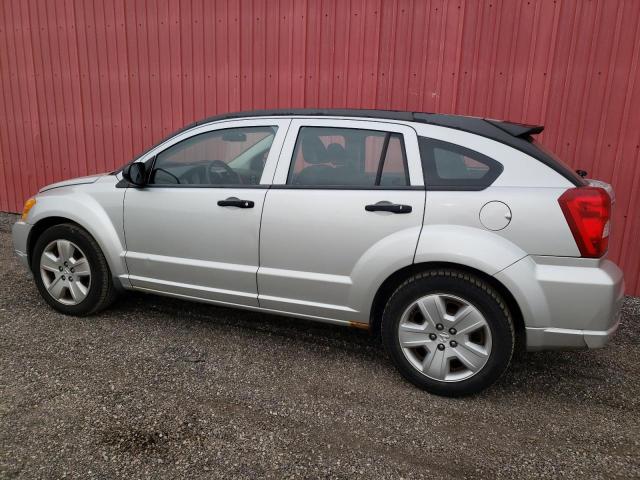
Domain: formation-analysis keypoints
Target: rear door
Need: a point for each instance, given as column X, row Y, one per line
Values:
column 344, row 211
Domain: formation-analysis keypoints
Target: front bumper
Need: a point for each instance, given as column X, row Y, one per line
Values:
column 566, row 303
column 20, row 234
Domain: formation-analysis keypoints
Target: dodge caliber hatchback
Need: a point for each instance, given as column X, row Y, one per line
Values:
column 457, row 239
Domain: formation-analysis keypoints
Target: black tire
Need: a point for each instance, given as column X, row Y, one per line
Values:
column 101, row 291
column 470, row 288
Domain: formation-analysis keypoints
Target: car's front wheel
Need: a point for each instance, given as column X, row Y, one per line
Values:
column 70, row 271
column 448, row 332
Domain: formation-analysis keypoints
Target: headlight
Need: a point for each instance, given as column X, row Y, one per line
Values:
column 28, row 205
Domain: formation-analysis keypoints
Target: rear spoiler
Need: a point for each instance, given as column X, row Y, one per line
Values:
column 519, row 130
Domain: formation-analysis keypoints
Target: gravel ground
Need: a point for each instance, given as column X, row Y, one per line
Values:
column 161, row 388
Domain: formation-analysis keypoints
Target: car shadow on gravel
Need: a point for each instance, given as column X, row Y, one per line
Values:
column 201, row 315
column 576, row 376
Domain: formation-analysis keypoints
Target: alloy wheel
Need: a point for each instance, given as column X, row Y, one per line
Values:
column 65, row 272
column 445, row 337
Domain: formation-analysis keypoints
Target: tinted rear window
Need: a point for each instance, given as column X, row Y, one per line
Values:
column 448, row 166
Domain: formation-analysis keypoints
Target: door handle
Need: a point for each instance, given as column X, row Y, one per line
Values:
column 388, row 207
column 236, row 202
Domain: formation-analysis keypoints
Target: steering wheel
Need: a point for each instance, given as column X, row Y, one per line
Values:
column 216, row 172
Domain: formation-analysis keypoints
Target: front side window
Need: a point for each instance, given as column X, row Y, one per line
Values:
column 234, row 156
column 348, row 157
column 450, row 166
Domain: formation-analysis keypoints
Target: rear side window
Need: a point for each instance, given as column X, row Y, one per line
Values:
column 348, row 157
column 448, row 166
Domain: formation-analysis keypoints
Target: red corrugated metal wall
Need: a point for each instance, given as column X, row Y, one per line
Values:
column 88, row 84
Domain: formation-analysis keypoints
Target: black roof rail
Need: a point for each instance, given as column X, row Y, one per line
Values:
column 328, row 112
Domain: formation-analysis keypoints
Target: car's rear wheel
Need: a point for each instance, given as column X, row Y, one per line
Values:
column 448, row 332
column 70, row 271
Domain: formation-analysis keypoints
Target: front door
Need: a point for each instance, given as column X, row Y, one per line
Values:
column 193, row 231
column 345, row 211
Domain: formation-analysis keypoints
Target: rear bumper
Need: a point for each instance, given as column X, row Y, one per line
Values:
column 565, row 338
column 566, row 303
column 20, row 235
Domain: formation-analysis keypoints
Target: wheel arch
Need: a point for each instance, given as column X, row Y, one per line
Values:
column 393, row 281
column 43, row 224
column 40, row 227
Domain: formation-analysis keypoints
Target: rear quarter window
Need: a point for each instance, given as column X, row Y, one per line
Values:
column 447, row 166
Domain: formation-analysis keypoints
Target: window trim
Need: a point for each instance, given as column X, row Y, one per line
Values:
column 388, row 134
column 282, row 123
column 199, row 185
column 281, row 186
column 427, row 146
column 154, row 159
column 408, row 133
column 382, row 159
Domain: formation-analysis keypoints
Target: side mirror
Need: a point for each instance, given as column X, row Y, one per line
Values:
column 135, row 173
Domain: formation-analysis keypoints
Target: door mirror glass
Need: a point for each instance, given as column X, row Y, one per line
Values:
column 135, row 173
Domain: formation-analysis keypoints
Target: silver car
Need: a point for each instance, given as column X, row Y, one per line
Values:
column 459, row 240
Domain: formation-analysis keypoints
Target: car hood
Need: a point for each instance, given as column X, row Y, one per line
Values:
column 73, row 181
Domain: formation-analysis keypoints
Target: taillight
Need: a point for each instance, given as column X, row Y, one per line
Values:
column 588, row 211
